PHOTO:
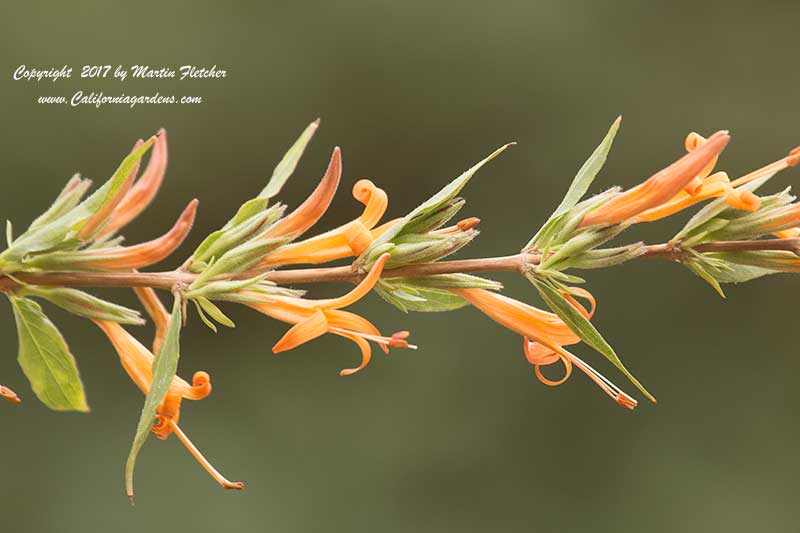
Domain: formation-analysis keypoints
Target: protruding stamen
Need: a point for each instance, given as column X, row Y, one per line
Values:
column 219, row 478
column 614, row 392
column 767, row 170
column 397, row 340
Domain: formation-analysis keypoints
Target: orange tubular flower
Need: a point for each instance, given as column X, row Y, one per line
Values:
column 661, row 186
column 718, row 185
column 309, row 212
column 137, row 362
column 146, row 253
column 9, row 395
column 345, row 241
column 139, row 196
column 158, row 313
column 314, row 318
column 544, row 335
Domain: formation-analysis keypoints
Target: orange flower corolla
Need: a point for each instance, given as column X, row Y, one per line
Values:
column 705, row 186
column 661, row 186
column 544, row 335
column 137, row 362
column 345, row 241
column 314, row 318
column 146, row 253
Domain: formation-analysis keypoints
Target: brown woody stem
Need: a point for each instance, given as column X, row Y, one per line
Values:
column 510, row 263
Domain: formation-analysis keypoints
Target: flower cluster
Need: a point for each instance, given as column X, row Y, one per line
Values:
column 76, row 243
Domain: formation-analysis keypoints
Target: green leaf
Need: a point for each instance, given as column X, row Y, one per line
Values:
column 67, row 199
column 706, row 273
column 83, row 304
column 165, row 366
column 584, row 178
column 55, row 232
column 417, row 298
column 247, row 210
column 45, row 358
column 286, row 166
column 215, row 312
column 209, row 323
column 447, row 281
column 581, row 326
column 742, row 273
column 430, row 207
column 94, row 203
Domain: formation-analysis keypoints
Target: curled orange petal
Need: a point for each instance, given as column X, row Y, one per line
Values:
column 366, row 352
column 375, row 202
column 148, row 253
column 309, row 212
column 580, row 292
column 312, row 327
column 200, row 388
column 345, row 241
column 347, row 322
column 540, row 355
column 138, row 362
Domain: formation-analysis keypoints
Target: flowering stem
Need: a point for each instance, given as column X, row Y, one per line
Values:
column 510, row 263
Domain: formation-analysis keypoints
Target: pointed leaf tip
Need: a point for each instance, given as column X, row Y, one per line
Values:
column 286, row 167
column 165, row 366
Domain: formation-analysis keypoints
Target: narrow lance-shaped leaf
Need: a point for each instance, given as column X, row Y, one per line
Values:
column 286, row 166
column 706, row 273
column 583, row 328
column 45, row 358
column 741, row 273
column 54, row 232
column 165, row 367
column 215, row 312
column 419, row 299
column 584, row 178
column 430, row 206
column 83, row 304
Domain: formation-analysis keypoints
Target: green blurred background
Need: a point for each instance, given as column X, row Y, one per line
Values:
column 458, row 436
